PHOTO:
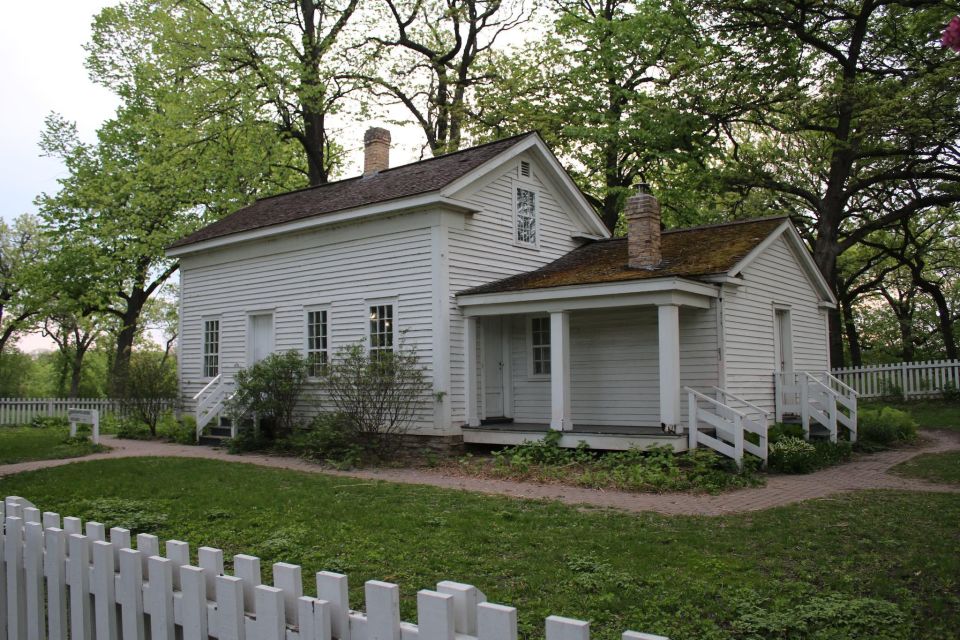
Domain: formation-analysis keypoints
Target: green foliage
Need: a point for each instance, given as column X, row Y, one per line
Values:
column 271, row 389
column 50, row 422
column 884, row 427
column 653, row 469
column 804, row 568
column 327, row 438
column 934, row 467
column 792, row 454
column 782, row 430
column 180, row 431
column 376, row 393
column 950, row 392
column 22, row 444
column 150, row 386
column 139, row 516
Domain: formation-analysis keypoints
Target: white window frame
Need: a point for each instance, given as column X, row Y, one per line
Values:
column 382, row 302
column 530, row 346
column 307, row 351
column 526, row 186
column 203, row 351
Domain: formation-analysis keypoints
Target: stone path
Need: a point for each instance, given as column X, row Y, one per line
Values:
column 865, row 472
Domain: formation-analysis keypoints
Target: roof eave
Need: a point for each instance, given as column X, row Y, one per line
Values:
column 400, row 205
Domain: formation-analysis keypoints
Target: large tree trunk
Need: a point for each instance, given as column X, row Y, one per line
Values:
column 853, row 336
column 130, row 320
column 825, row 252
column 945, row 318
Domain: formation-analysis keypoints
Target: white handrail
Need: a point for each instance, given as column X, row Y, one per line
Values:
column 840, row 383
column 213, row 382
column 715, row 402
column 741, row 400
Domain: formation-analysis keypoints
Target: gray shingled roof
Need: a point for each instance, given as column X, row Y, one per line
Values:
column 688, row 253
column 413, row 179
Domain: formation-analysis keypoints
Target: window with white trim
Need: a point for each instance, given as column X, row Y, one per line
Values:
column 381, row 328
column 318, row 352
column 211, row 348
column 540, row 346
column 526, row 216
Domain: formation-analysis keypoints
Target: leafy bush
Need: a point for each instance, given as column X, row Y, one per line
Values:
column 179, row 431
column 950, row 391
column 50, row 422
column 656, row 468
column 790, row 454
column 328, row 438
column 891, row 391
column 884, row 427
column 271, row 389
column 150, row 384
column 783, row 430
column 130, row 429
column 376, row 393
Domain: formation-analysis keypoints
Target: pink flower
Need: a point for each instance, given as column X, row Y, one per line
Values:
column 951, row 35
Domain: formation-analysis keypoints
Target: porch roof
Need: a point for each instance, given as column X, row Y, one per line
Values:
column 687, row 253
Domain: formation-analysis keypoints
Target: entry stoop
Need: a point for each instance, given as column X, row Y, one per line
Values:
column 216, row 435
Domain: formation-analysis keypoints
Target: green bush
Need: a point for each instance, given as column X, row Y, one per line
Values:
column 271, row 389
column 950, row 391
column 327, row 438
column 179, row 431
column 790, row 454
column 784, row 430
column 131, row 429
column 50, row 422
column 885, row 426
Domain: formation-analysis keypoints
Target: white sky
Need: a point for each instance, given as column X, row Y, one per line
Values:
column 41, row 62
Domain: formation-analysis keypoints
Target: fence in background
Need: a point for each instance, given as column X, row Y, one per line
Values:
column 907, row 379
column 15, row 411
column 57, row 582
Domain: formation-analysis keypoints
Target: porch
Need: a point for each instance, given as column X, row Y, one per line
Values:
column 600, row 365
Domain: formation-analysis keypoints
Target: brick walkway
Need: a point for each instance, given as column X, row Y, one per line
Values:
column 865, row 472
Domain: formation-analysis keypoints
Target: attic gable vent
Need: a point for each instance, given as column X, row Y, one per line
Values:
column 524, row 169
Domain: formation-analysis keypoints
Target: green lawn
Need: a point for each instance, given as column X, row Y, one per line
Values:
column 868, row 565
column 930, row 414
column 20, row 444
column 936, row 467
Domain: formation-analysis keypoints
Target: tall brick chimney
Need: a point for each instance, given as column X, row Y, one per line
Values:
column 643, row 229
column 376, row 150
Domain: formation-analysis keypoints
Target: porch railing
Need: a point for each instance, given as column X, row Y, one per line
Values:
column 730, row 425
column 210, row 401
column 816, row 397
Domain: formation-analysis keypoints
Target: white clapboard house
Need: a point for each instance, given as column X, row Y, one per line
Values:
column 527, row 315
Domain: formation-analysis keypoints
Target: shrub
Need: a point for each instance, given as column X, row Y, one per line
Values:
column 783, row 430
column 792, row 455
column 328, row 438
column 179, row 431
column 149, row 386
column 271, row 389
column 950, row 391
column 377, row 394
column 885, row 426
column 131, row 429
column 891, row 391
column 50, row 422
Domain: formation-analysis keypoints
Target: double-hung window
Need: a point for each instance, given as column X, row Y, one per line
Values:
column 211, row 348
column 540, row 346
column 318, row 344
column 526, row 216
column 382, row 329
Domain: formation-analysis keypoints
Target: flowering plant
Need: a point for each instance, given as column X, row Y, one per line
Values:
column 951, row 35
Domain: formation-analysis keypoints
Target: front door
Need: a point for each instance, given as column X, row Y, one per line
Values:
column 260, row 344
column 784, row 340
column 493, row 367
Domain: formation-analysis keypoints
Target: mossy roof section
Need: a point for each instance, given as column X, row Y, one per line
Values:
column 403, row 181
column 689, row 253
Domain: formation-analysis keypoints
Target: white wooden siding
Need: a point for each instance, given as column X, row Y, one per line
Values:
column 614, row 368
column 484, row 250
column 341, row 268
column 774, row 278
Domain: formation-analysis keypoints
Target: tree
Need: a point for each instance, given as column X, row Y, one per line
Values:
column 242, row 64
column 21, row 246
column 437, row 56
column 852, row 117
column 610, row 89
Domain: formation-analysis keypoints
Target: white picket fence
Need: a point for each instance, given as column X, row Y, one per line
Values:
column 914, row 379
column 15, row 411
column 59, row 580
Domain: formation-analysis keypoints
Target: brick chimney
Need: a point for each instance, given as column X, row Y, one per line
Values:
column 643, row 229
column 376, row 150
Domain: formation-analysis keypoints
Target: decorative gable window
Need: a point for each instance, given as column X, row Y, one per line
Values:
column 211, row 348
column 381, row 328
column 526, row 216
column 318, row 353
column 540, row 346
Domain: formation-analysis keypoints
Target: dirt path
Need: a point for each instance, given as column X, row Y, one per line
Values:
column 865, row 472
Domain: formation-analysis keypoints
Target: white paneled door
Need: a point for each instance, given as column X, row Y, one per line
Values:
column 260, row 343
column 493, row 367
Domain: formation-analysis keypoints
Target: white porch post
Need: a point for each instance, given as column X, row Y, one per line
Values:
column 560, row 418
column 470, row 328
column 668, row 322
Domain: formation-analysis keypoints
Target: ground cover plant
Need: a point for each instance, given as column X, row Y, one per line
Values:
column 929, row 414
column 45, row 441
column 654, row 469
column 935, row 467
column 866, row 565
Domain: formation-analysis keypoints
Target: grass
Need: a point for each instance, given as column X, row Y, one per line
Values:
column 866, row 565
column 930, row 414
column 935, row 467
column 21, row 444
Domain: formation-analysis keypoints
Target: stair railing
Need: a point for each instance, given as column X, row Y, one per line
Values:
column 730, row 426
